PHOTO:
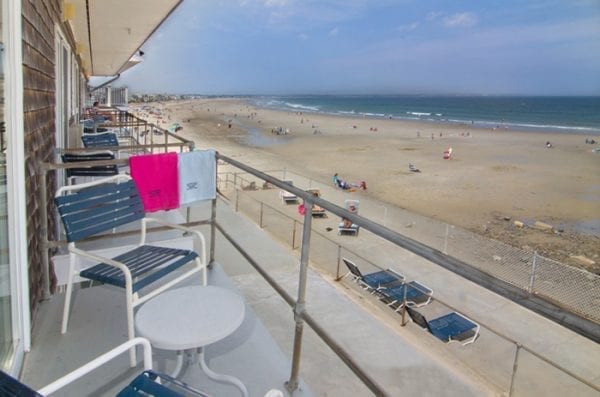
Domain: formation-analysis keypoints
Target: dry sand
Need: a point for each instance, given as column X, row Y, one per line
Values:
column 493, row 175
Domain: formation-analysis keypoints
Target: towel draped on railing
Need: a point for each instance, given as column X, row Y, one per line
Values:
column 170, row 180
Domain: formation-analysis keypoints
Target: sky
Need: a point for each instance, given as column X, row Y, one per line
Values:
column 295, row 47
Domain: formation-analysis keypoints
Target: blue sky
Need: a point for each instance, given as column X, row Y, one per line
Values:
column 285, row 47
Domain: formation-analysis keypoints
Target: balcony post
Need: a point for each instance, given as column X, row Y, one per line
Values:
column 44, row 232
column 299, row 308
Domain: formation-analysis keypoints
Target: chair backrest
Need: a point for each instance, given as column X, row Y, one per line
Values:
column 10, row 386
column 418, row 318
column 352, row 205
column 314, row 192
column 96, row 170
column 98, row 208
column 352, row 267
column 91, row 126
column 105, row 139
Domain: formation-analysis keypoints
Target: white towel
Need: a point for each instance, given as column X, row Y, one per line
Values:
column 197, row 176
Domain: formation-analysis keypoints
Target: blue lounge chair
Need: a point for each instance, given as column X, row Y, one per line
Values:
column 413, row 294
column 96, row 207
column 105, row 139
column 452, row 327
column 148, row 383
column 373, row 281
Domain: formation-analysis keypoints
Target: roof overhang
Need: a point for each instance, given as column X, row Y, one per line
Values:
column 108, row 33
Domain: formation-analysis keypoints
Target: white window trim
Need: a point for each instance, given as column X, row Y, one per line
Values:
column 17, row 215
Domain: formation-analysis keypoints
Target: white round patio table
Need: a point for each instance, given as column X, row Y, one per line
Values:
column 190, row 318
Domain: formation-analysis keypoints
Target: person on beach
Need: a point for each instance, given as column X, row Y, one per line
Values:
column 548, row 145
column 336, row 180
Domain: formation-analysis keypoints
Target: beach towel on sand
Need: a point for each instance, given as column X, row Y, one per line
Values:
column 197, row 176
column 155, row 176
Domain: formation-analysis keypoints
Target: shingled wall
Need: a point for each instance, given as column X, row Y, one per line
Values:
column 39, row 20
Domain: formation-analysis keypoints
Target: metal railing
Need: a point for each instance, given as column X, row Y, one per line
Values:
column 326, row 253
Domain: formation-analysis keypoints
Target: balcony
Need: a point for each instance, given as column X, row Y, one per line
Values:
column 353, row 344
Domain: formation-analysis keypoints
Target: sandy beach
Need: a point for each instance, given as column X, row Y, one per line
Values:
column 493, row 178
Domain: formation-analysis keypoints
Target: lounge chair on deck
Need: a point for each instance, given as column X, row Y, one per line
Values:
column 452, row 327
column 376, row 281
column 317, row 211
column 286, row 196
column 91, row 171
column 346, row 226
column 148, row 383
column 92, row 126
column 413, row 294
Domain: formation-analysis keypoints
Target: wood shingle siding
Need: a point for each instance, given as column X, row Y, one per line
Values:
column 39, row 20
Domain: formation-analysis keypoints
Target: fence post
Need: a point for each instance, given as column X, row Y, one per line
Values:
column 294, row 235
column 237, row 199
column 514, row 371
column 445, row 251
column 260, row 220
column 213, row 234
column 532, row 276
column 339, row 259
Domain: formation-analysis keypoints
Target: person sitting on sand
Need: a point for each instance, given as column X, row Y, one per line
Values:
column 315, row 207
column 548, row 145
column 336, row 180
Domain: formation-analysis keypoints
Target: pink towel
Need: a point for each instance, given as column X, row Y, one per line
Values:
column 155, row 176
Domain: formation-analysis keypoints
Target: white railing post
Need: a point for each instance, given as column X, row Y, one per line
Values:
column 532, row 276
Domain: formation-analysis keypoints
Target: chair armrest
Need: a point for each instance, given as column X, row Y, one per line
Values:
column 101, row 259
column 199, row 235
column 401, row 276
column 99, row 361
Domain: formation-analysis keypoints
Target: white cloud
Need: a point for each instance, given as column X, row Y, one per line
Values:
column 433, row 15
column 302, row 36
column 277, row 3
column 334, row 32
column 460, row 20
column 408, row 27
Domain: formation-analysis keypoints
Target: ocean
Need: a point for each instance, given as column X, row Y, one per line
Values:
column 555, row 114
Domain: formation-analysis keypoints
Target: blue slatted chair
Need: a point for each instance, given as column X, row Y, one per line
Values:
column 452, row 327
column 105, row 139
column 373, row 281
column 96, row 207
column 413, row 294
column 148, row 383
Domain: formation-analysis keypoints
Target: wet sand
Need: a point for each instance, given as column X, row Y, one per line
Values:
column 493, row 178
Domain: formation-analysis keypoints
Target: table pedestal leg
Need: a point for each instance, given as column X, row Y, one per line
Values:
column 178, row 364
column 220, row 377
